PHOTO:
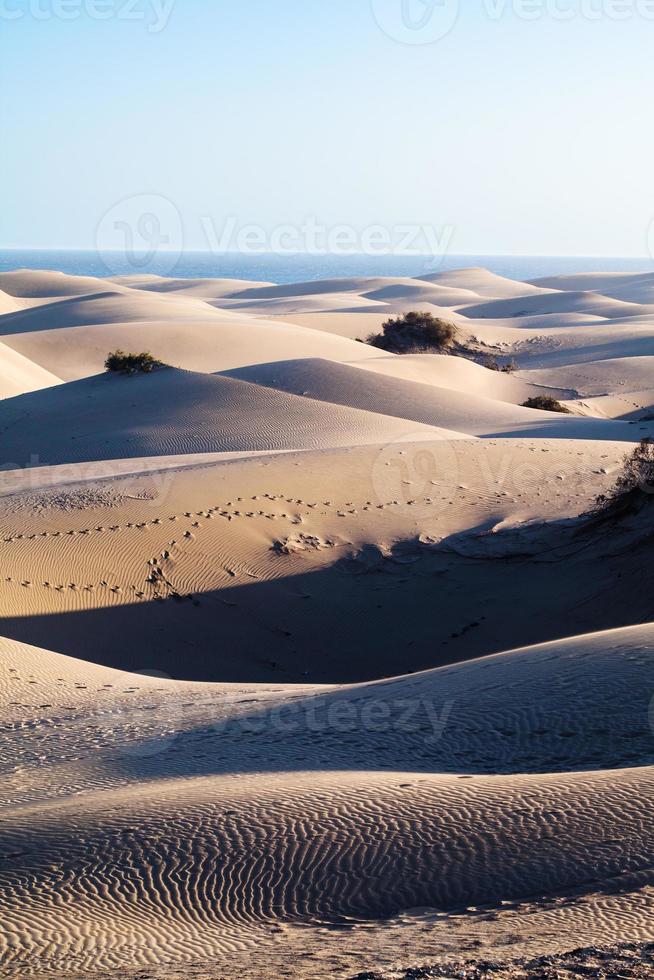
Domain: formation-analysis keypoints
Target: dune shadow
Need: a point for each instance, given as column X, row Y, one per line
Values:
column 370, row 614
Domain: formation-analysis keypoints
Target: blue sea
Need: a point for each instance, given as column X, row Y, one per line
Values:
column 303, row 267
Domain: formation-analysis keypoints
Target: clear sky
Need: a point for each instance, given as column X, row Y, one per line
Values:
column 521, row 134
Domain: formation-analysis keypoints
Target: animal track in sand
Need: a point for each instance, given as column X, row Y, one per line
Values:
column 208, row 514
column 72, row 586
column 162, row 587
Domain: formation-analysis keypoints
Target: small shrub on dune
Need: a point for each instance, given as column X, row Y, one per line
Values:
column 546, row 404
column 414, row 333
column 119, row 362
column 634, row 484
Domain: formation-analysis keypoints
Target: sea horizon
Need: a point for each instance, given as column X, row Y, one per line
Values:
column 300, row 267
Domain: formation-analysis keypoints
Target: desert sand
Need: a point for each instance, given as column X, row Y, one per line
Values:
column 313, row 663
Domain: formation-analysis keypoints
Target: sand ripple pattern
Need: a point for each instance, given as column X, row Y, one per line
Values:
column 180, row 819
column 158, row 872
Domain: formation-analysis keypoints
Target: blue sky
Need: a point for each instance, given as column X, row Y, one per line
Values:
column 525, row 136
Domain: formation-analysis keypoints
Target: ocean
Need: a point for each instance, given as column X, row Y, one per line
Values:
column 264, row 267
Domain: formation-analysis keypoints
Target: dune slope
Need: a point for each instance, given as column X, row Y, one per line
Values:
column 172, row 411
column 201, row 863
column 449, row 408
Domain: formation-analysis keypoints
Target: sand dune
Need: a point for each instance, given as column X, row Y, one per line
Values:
column 39, row 284
column 200, row 859
column 600, row 377
column 553, row 342
column 8, row 304
column 556, row 302
column 357, row 323
column 209, row 289
column 628, row 405
column 461, row 374
column 102, row 307
column 615, row 339
column 19, row 375
column 423, row 293
column 513, row 713
column 71, row 336
column 642, row 292
column 269, row 548
column 323, row 287
column 217, row 343
column 204, row 863
column 302, row 304
column 485, row 283
column 281, row 734
column 628, row 283
column 172, row 411
column 446, row 407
